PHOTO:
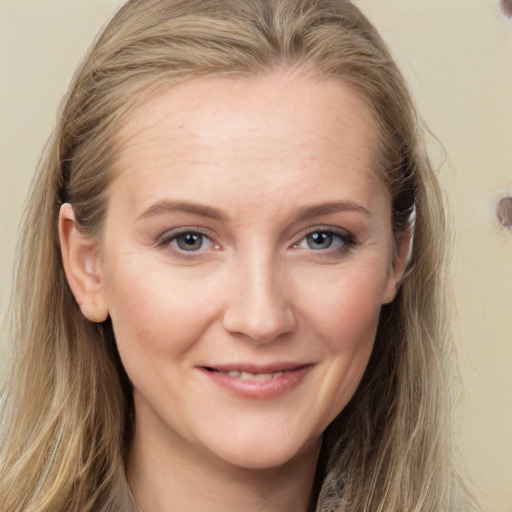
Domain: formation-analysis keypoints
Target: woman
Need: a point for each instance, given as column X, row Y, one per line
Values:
column 229, row 292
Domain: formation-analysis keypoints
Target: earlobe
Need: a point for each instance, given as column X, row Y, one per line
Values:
column 82, row 266
column 400, row 264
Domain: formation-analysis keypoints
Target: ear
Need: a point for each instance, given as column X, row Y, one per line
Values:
column 82, row 266
column 401, row 260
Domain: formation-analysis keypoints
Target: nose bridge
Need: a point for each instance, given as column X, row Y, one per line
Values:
column 260, row 305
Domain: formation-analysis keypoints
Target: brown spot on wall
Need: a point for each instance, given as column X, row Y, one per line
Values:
column 504, row 212
column 506, row 8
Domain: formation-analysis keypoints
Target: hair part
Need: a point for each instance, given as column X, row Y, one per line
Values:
column 389, row 449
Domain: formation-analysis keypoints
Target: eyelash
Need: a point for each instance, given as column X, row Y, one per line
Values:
column 168, row 238
column 345, row 240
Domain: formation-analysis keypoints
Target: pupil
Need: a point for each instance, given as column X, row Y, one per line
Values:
column 319, row 240
column 190, row 241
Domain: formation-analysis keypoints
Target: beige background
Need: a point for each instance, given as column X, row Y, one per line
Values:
column 457, row 57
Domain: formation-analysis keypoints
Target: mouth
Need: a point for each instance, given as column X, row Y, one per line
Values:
column 249, row 376
column 253, row 381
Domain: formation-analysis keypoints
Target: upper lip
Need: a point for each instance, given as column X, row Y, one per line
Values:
column 256, row 368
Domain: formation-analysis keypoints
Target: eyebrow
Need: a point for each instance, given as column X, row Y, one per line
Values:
column 168, row 206
column 331, row 207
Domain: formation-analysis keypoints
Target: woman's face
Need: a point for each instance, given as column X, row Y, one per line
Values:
column 244, row 261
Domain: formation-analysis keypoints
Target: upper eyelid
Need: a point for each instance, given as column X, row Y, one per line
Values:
column 173, row 233
column 336, row 230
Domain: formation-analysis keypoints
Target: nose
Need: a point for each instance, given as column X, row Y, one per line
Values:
column 259, row 307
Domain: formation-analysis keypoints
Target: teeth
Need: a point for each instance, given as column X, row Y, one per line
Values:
column 262, row 377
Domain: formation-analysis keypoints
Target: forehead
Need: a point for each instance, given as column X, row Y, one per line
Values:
column 282, row 131
column 250, row 98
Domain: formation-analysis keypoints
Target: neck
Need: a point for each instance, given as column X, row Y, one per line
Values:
column 166, row 474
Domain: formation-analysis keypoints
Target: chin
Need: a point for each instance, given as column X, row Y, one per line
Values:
column 266, row 455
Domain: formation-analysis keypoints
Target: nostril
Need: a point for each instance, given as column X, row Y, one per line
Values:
column 506, row 8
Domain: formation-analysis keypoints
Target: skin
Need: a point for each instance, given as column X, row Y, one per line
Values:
column 267, row 154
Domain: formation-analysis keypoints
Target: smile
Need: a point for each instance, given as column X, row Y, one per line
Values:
column 263, row 384
column 262, row 377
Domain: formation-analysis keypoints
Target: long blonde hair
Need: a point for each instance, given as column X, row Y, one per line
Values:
column 67, row 406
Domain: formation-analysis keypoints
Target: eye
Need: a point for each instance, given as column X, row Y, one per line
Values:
column 187, row 241
column 190, row 241
column 326, row 240
column 319, row 240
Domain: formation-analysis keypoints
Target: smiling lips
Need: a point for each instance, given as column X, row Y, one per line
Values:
column 262, row 377
column 257, row 383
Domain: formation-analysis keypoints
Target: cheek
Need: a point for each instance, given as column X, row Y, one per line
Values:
column 155, row 313
column 345, row 317
column 346, row 311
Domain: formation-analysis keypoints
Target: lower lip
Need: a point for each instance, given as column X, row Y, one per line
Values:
column 259, row 389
